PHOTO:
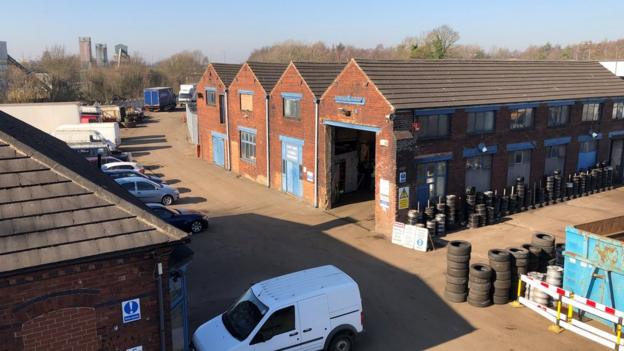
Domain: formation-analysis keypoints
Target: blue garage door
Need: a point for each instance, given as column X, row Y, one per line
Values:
column 587, row 155
column 291, row 166
column 218, row 150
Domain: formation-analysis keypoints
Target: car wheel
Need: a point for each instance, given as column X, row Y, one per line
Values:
column 197, row 227
column 341, row 342
column 167, row 200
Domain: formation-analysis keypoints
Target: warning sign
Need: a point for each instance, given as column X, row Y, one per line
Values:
column 403, row 198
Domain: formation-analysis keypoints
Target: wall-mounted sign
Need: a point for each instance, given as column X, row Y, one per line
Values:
column 131, row 310
column 402, row 177
column 350, row 100
column 384, row 193
column 403, row 198
column 310, row 176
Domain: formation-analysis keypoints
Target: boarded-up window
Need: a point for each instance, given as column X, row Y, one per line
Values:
column 246, row 102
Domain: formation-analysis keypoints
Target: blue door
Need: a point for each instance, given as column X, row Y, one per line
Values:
column 291, row 169
column 587, row 155
column 218, row 150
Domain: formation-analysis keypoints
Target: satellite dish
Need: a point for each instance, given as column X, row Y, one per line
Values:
column 482, row 147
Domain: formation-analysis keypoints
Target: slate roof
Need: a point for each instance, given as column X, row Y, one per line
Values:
column 55, row 206
column 319, row 75
column 226, row 71
column 414, row 84
column 267, row 73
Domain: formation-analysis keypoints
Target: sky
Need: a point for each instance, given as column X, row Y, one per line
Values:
column 227, row 31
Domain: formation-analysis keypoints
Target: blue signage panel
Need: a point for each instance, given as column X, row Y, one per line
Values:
column 131, row 310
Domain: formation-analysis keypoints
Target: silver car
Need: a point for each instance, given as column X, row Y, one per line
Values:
column 148, row 191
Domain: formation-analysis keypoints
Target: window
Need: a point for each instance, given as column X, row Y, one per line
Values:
column 433, row 126
column 478, row 172
column 521, row 118
column 555, row 159
column 211, row 97
column 121, row 167
column 433, row 176
column 246, row 102
column 291, row 108
column 280, row 322
column 591, row 112
column 145, row 186
column 618, row 110
column 129, row 186
column 558, row 115
column 162, row 213
column 480, row 122
column 519, row 165
column 248, row 146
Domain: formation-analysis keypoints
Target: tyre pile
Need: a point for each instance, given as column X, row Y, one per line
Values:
column 519, row 265
column 546, row 243
column 480, row 285
column 500, row 261
column 457, row 263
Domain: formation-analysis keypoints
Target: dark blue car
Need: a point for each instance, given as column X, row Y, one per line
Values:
column 186, row 220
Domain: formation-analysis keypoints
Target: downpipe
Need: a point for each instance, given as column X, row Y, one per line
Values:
column 227, row 131
column 268, row 148
column 316, row 149
column 161, row 302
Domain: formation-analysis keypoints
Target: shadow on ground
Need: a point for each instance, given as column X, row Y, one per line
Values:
column 143, row 139
column 190, row 200
column 401, row 311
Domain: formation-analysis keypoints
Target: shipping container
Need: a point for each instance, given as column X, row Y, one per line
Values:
column 159, row 99
column 45, row 116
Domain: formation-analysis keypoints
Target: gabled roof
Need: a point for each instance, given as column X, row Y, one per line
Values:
column 319, row 75
column 226, row 71
column 453, row 83
column 55, row 206
column 267, row 73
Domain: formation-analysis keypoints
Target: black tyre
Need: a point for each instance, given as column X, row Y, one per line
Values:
column 456, row 288
column 502, row 284
column 535, row 250
column 480, row 270
column 459, row 273
column 543, row 239
column 499, row 255
column 341, row 342
column 479, row 303
column 499, row 266
column 454, row 297
column 521, row 262
column 459, row 248
column 197, row 227
column 518, row 252
column 458, row 259
column 479, row 280
column 501, row 292
column 456, row 280
column 480, row 288
column 500, row 300
column 457, row 265
column 502, row 275
column 167, row 200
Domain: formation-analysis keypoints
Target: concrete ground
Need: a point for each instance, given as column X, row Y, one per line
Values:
column 257, row 233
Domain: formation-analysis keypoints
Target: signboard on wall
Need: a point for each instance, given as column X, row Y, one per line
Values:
column 384, row 193
column 397, row 233
column 402, row 177
column 403, row 198
column 131, row 310
column 420, row 235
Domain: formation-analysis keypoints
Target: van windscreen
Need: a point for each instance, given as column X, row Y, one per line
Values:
column 241, row 319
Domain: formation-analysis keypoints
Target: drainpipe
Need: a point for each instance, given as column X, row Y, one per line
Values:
column 316, row 140
column 268, row 148
column 161, row 306
column 228, row 165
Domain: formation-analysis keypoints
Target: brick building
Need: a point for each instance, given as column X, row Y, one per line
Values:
column 293, row 121
column 83, row 264
column 212, row 111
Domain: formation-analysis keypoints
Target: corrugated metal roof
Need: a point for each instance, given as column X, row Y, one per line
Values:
column 453, row 83
column 55, row 206
column 319, row 75
column 226, row 71
column 267, row 73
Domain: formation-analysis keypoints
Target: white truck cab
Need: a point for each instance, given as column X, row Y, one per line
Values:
column 314, row 309
column 187, row 93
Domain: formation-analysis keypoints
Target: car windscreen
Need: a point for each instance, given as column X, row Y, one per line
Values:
column 241, row 319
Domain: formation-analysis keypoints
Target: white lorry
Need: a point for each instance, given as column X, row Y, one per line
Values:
column 187, row 94
column 46, row 116
column 108, row 131
column 314, row 309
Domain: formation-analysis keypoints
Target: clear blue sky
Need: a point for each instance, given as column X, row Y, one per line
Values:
column 231, row 29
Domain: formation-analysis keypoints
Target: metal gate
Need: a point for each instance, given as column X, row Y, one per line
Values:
column 218, row 149
column 292, row 166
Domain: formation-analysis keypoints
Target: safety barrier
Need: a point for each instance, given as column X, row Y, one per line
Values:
column 565, row 321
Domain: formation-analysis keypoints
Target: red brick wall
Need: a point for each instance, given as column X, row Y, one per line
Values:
column 208, row 115
column 353, row 82
column 302, row 128
column 85, row 297
column 246, row 80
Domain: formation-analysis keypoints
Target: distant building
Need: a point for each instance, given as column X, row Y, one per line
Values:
column 616, row 67
column 4, row 63
column 84, row 264
column 101, row 54
column 85, row 51
column 121, row 53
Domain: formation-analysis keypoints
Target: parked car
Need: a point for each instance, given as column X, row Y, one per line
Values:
column 320, row 308
column 148, row 191
column 123, row 173
column 186, row 220
column 123, row 166
column 105, row 160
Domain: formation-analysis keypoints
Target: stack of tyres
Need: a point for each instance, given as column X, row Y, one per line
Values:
column 576, row 190
column 457, row 261
column 474, row 220
column 482, row 212
column 480, row 285
column 519, row 266
column 412, row 217
column 534, row 294
column 440, row 224
column 500, row 262
column 546, row 243
column 557, row 185
column 534, row 257
column 451, row 218
column 554, row 277
column 583, row 184
column 429, row 213
column 431, row 227
column 504, row 205
column 550, row 190
column 521, row 189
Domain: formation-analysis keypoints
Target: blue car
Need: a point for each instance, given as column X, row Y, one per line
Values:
column 186, row 220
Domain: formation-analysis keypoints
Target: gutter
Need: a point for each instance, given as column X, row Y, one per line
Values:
column 316, row 150
column 228, row 164
column 268, row 148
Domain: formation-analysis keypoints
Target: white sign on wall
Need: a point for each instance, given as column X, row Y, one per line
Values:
column 384, row 193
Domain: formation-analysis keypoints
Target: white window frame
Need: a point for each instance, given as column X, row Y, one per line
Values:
column 591, row 112
column 247, row 146
column 211, row 97
column 297, row 108
column 477, row 122
column 521, row 118
column 618, row 110
column 433, row 126
column 558, row 115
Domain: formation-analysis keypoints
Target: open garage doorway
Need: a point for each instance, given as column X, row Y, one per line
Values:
column 352, row 174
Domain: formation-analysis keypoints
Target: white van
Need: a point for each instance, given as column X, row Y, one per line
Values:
column 314, row 309
column 72, row 137
column 109, row 130
column 187, row 93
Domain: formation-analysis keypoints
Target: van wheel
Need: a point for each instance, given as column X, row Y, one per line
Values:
column 167, row 200
column 341, row 342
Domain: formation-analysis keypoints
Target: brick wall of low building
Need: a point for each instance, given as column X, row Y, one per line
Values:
column 246, row 80
column 79, row 305
column 208, row 118
column 301, row 128
column 375, row 112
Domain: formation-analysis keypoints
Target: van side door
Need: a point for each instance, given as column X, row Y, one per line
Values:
column 313, row 322
column 279, row 332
